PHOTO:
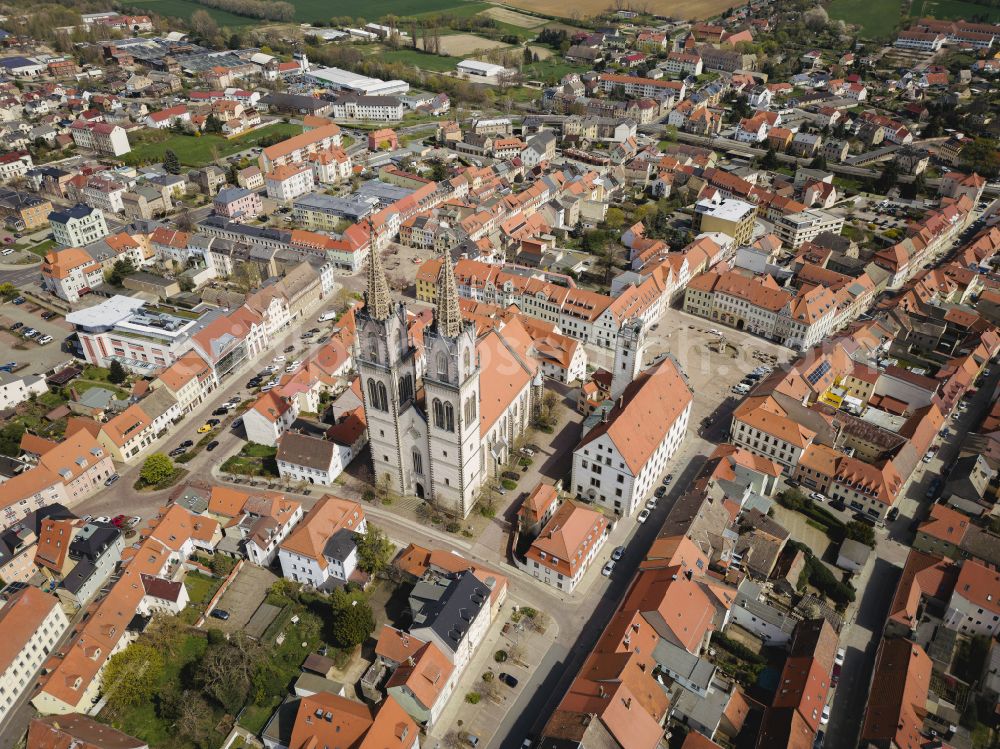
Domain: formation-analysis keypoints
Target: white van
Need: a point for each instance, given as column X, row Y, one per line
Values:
column 328, row 315
column 741, row 388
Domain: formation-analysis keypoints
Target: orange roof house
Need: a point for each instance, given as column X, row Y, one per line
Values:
column 564, row 549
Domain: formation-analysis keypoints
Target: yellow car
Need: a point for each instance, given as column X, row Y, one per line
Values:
column 204, row 428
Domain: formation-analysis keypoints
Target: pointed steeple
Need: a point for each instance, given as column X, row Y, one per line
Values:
column 447, row 315
column 378, row 302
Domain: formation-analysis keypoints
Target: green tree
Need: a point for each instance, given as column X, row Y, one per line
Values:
column 858, row 531
column 131, row 676
column 10, row 438
column 157, row 468
column 8, row 290
column 119, row 271
column 226, row 671
column 171, row 163
column 770, row 159
column 213, row 124
column 117, row 373
column 353, row 620
column 374, row 550
column 981, row 155
column 614, row 219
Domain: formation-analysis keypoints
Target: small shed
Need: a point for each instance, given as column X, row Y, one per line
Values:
column 853, row 555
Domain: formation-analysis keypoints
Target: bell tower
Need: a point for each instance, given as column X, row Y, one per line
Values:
column 451, row 384
column 628, row 355
column 384, row 357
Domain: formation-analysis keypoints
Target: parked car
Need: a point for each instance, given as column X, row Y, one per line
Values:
column 893, row 513
column 45, row 340
column 118, row 520
column 618, row 553
column 651, row 503
column 471, row 739
column 204, row 428
column 220, row 411
column 507, row 679
column 667, row 479
column 279, row 358
column 111, row 479
column 817, row 497
column 176, row 452
column 19, row 300
column 660, row 491
column 17, row 326
column 187, row 443
column 48, row 314
column 213, row 422
column 527, row 452
column 220, row 614
column 212, row 445
column 825, row 717
column 238, row 422
column 608, row 568
column 288, row 350
column 643, row 516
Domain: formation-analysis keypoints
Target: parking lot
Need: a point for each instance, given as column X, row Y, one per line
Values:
column 40, row 358
column 243, row 597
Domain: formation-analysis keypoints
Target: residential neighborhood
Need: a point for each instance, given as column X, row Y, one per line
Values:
column 467, row 375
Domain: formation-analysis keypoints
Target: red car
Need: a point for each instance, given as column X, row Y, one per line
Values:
column 119, row 520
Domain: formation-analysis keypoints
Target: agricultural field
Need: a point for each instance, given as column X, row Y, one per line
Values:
column 954, row 9
column 690, row 9
column 463, row 45
column 512, row 18
column 197, row 151
column 310, row 11
column 313, row 10
column 877, row 18
column 184, row 9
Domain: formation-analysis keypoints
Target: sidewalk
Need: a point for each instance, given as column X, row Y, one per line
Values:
column 485, row 718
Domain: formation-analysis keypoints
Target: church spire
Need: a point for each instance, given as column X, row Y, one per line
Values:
column 378, row 303
column 447, row 316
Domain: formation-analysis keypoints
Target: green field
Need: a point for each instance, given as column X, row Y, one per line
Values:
column 877, row 18
column 310, row 11
column 185, row 8
column 196, row 151
column 954, row 9
column 434, row 63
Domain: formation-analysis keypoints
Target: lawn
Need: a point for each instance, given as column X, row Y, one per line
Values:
column 201, row 587
column 877, row 18
column 185, row 8
column 418, row 59
column 196, row 151
column 42, row 248
column 551, row 70
column 954, row 9
column 253, row 460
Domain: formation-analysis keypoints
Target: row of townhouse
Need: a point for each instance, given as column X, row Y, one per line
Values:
column 150, row 581
column 63, row 473
column 298, row 148
column 926, row 239
column 760, row 306
column 585, row 315
column 74, row 271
